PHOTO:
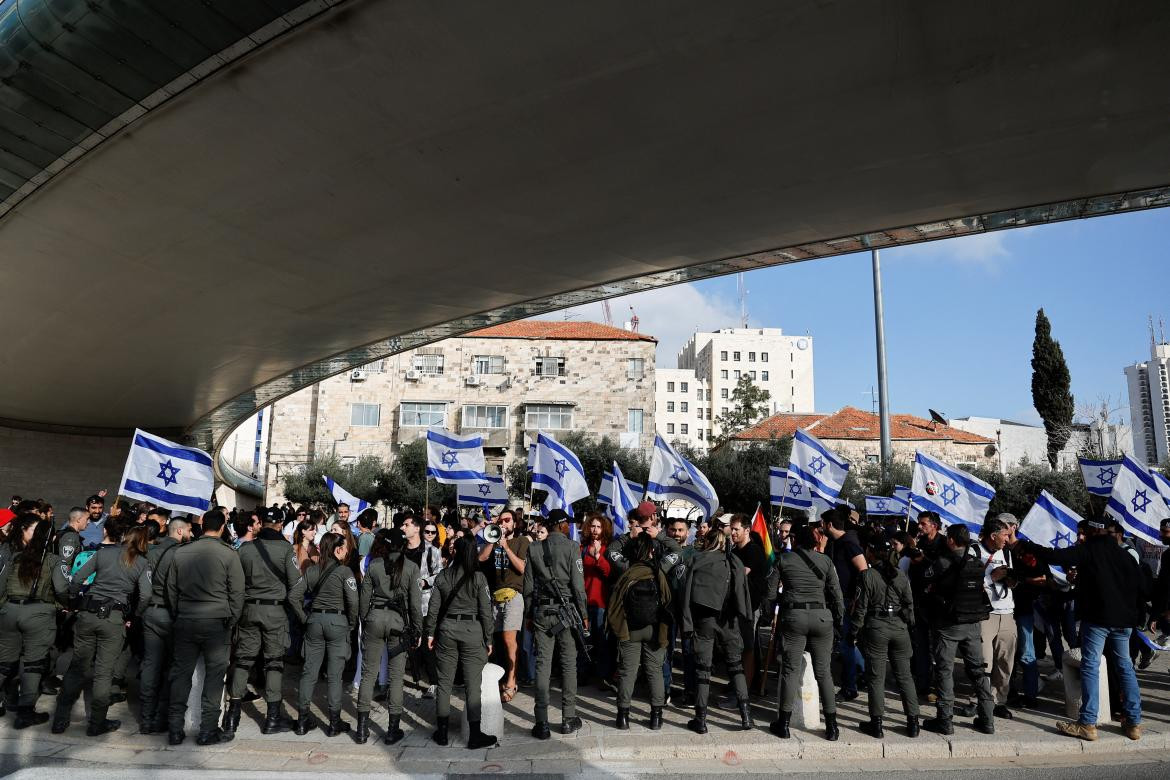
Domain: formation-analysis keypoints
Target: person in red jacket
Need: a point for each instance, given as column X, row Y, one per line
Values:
column 596, row 533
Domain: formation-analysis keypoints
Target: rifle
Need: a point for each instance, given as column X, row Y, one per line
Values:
column 44, row 554
column 568, row 617
column 771, row 647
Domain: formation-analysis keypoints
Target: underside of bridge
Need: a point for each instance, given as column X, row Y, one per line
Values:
column 192, row 231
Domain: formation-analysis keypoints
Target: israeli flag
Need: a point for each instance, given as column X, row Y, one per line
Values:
column 167, row 474
column 605, row 492
column 625, row 497
column 1163, row 483
column 957, row 496
column 777, row 485
column 1136, row 501
column 818, row 467
column 559, row 472
column 356, row 505
column 452, row 458
column 1099, row 475
column 883, row 505
column 673, row 476
column 485, row 494
column 531, row 457
column 1050, row 523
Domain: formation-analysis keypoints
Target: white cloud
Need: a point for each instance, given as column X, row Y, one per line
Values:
column 979, row 250
column 669, row 314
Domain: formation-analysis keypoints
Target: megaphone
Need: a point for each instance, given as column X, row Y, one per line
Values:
column 492, row 534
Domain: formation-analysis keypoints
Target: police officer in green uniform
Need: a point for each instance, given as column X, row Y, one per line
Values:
column 68, row 545
column 882, row 616
column 205, row 596
column 555, row 569
column 391, row 610
column 32, row 582
column 459, row 628
column 811, row 610
column 272, row 584
column 157, row 633
column 639, row 619
column 957, row 605
column 69, row 537
column 333, row 616
column 715, row 599
column 121, row 575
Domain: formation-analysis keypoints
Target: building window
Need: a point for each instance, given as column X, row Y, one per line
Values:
column 483, row 416
column 752, row 374
column 738, row 374
column 636, row 368
column 489, row 364
column 550, row 366
column 419, row 414
column 368, row 415
column 723, row 393
column 723, row 410
column 428, row 364
column 377, row 367
column 683, row 407
column 700, row 394
column 736, row 357
column 684, row 387
column 872, row 458
column 551, row 416
column 751, row 357
column 723, row 355
column 763, row 357
column 683, row 429
column 670, row 428
column 670, row 387
column 700, row 432
column 764, row 376
column 700, row 413
column 634, row 424
column 723, row 374
column 670, row 406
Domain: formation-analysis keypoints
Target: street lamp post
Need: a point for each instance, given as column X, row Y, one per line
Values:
column 883, row 392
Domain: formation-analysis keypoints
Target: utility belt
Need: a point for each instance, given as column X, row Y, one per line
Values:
column 805, row 605
column 156, row 605
column 103, row 608
column 328, row 611
column 388, row 606
column 265, row 602
column 883, row 611
column 461, row 617
column 28, row 600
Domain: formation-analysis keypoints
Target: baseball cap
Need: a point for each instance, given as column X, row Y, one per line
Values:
column 273, row 515
column 646, row 509
column 6, row 517
column 557, row 516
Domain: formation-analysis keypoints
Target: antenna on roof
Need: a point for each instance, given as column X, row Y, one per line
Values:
column 937, row 418
column 1153, row 341
column 872, row 399
column 607, row 312
column 633, row 323
column 1162, row 330
column 741, row 287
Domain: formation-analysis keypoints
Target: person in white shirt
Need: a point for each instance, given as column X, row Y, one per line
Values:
column 999, row 630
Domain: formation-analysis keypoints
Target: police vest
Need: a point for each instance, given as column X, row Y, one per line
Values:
column 968, row 599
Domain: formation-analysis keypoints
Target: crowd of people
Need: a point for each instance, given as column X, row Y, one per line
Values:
column 366, row 602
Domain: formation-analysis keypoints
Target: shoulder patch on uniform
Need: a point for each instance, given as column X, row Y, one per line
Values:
column 678, row 572
column 670, row 559
column 65, row 570
column 149, row 575
column 67, row 551
column 580, row 566
column 351, row 583
column 293, row 558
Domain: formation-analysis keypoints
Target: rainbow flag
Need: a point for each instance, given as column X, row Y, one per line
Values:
column 760, row 526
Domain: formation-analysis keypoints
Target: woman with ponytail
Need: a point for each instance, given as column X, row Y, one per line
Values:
column 883, row 614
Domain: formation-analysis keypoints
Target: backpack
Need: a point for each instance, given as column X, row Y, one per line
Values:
column 641, row 603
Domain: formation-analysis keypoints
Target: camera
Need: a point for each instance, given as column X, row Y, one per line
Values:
column 492, row 534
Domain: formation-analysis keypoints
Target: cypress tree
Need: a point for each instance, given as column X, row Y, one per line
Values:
column 1051, row 383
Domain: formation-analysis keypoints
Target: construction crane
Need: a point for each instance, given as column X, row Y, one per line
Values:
column 608, row 313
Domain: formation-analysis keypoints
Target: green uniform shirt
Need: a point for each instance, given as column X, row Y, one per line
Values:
column 52, row 586
column 717, row 581
column 380, row 588
column 555, row 562
column 334, row 588
column 271, row 572
column 803, row 586
column 160, row 564
column 891, row 599
column 113, row 579
column 471, row 599
column 205, row 580
column 68, row 545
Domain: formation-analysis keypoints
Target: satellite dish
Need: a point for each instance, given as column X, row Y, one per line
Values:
column 938, row 418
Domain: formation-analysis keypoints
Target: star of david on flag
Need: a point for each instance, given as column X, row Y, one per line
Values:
column 557, row 471
column 674, row 477
column 1099, row 475
column 454, row 458
column 167, row 474
column 355, row 504
column 1050, row 523
column 957, row 496
column 902, row 494
column 787, row 490
column 884, row 505
column 1136, row 501
column 821, row 470
column 489, row 493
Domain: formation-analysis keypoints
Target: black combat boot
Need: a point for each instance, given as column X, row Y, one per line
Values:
column 655, row 718
column 305, row 723
column 984, row 726
column 873, row 727
column 99, row 724
column 26, row 715
column 336, row 725
column 213, row 737
column 273, row 720
column 60, row 721
column 231, row 716
column 361, row 732
column 779, row 726
column 440, row 735
column 623, row 719
column 745, row 716
column 912, row 727
column 476, row 739
column 540, row 730
column 832, row 733
column 176, row 737
column 570, row 725
column 698, row 724
column 394, row 734
column 939, row 725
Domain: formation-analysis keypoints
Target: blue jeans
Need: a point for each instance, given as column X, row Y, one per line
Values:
column 1115, row 641
column 852, row 662
column 1025, row 631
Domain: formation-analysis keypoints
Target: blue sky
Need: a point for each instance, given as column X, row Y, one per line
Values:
column 960, row 314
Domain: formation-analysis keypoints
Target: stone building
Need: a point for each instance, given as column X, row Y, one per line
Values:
column 504, row 382
column 855, row 435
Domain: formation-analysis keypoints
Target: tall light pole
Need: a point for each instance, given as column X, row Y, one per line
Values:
column 883, row 392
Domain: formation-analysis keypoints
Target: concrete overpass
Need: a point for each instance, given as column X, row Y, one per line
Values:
column 208, row 206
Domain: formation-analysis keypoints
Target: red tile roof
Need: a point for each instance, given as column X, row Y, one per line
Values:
column 565, row 330
column 851, row 423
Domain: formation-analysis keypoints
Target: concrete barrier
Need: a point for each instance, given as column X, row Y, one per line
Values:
column 1073, row 690
column 491, row 709
column 808, row 714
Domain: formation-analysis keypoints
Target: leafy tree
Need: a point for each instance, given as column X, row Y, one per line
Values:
column 405, row 483
column 749, row 405
column 596, row 455
column 1051, row 394
column 740, row 474
column 363, row 478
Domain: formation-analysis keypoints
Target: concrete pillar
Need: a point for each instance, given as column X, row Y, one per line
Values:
column 491, row 709
column 1073, row 690
column 62, row 468
column 807, row 715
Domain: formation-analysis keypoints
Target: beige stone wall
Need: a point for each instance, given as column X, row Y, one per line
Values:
column 949, row 452
column 595, row 386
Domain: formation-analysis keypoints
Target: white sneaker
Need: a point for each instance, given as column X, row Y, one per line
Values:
column 429, row 693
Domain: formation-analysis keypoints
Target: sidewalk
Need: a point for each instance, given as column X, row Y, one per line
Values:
column 598, row 748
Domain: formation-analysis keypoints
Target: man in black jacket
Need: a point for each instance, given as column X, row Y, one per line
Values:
column 1109, row 591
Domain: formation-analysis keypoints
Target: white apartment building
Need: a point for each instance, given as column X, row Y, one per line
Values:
column 680, row 407
column 780, row 364
column 1149, row 405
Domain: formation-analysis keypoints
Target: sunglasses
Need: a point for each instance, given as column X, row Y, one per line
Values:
column 430, row 532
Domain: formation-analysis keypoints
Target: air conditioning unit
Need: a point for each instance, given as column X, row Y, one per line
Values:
column 473, row 381
column 357, row 375
column 413, row 376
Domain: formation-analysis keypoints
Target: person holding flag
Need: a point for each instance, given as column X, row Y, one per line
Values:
column 558, row 471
